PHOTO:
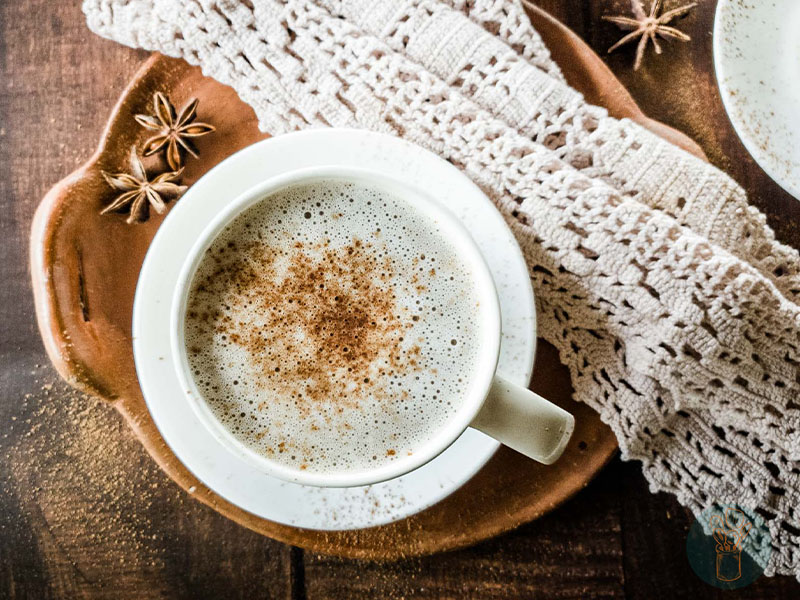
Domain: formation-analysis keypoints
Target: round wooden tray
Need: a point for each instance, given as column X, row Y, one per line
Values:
column 85, row 267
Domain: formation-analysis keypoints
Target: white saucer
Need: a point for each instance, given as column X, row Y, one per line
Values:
column 757, row 61
column 224, row 472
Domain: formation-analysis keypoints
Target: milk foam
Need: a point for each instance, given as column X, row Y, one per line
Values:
column 330, row 328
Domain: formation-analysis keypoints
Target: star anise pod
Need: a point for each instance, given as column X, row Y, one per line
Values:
column 649, row 27
column 139, row 192
column 174, row 132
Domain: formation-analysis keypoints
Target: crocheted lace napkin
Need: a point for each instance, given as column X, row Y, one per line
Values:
column 666, row 295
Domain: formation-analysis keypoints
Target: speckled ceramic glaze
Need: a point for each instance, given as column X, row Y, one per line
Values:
column 757, row 61
column 227, row 472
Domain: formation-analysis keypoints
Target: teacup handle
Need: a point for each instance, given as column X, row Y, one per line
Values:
column 524, row 421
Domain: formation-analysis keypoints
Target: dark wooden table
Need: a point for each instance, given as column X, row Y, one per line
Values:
column 84, row 513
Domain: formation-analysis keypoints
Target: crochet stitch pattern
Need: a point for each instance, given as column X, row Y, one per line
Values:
column 666, row 294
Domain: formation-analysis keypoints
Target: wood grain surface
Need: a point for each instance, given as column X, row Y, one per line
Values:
column 84, row 513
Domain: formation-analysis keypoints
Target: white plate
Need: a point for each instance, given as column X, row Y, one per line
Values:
column 757, row 60
column 198, row 449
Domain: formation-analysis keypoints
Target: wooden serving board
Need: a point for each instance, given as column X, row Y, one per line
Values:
column 85, row 268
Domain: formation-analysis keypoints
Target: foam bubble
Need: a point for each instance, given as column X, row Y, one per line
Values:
column 330, row 329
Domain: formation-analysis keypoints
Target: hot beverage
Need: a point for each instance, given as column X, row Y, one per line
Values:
column 331, row 328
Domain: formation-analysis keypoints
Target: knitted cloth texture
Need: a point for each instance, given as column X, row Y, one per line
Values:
column 665, row 293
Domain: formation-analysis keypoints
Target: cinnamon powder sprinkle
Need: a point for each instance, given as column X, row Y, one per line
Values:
column 322, row 323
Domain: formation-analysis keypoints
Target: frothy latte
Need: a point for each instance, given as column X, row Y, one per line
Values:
column 331, row 328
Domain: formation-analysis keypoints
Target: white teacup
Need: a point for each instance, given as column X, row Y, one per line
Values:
column 511, row 414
